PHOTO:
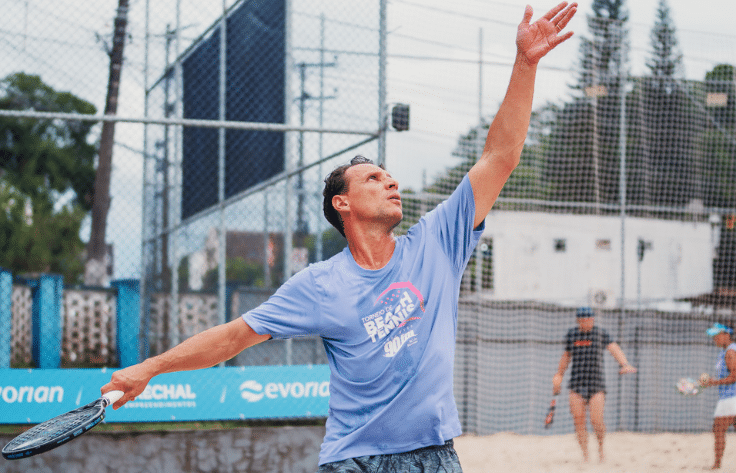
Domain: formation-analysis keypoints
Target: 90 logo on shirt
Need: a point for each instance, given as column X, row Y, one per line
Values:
column 393, row 346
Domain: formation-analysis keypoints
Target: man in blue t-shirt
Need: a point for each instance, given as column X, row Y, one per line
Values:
column 386, row 307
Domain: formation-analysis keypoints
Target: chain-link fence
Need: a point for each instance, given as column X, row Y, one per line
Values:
column 230, row 213
column 230, row 115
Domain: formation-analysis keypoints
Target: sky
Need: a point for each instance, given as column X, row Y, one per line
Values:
column 433, row 46
column 444, row 96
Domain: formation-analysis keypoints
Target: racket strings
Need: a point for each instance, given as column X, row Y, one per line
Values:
column 53, row 428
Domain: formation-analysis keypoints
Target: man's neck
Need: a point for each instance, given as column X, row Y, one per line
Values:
column 372, row 250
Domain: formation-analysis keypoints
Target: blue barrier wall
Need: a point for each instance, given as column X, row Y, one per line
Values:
column 47, row 323
column 128, row 321
column 231, row 393
column 46, row 320
column 6, row 316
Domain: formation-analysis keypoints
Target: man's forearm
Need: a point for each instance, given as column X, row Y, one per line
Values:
column 618, row 354
column 205, row 349
column 510, row 126
column 564, row 362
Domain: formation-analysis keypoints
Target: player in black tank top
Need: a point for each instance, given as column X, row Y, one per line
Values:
column 584, row 346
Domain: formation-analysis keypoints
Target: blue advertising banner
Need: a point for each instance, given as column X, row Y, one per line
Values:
column 231, row 393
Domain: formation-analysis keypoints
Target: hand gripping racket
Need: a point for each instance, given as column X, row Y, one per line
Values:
column 59, row 430
column 550, row 413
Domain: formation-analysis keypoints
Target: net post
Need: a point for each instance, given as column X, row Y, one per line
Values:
column 47, row 323
column 128, row 320
column 6, row 317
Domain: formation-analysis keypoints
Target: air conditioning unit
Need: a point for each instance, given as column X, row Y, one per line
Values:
column 601, row 298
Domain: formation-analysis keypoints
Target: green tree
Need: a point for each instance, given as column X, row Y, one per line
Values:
column 665, row 61
column 721, row 81
column 46, row 179
column 524, row 183
column 332, row 244
column 236, row 270
column 601, row 54
column 582, row 153
column 665, row 142
column 719, row 139
column 720, row 166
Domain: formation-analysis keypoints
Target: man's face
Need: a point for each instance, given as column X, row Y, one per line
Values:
column 586, row 323
column 372, row 195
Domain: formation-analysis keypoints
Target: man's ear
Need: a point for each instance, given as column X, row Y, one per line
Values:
column 340, row 203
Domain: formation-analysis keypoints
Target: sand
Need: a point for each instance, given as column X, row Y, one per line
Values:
column 625, row 453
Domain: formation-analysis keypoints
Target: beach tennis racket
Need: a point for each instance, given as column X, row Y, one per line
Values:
column 59, row 430
column 550, row 413
column 688, row 387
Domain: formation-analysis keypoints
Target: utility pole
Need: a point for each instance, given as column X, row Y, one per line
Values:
column 95, row 271
column 163, row 168
column 302, row 228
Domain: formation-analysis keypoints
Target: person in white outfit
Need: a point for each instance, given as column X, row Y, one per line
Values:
column 725, row 412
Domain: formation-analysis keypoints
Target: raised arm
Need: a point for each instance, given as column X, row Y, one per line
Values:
column 508, row 130
column 203, row 350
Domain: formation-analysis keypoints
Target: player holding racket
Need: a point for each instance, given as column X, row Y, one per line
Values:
column 385, row 307
column 725, row 412
column 584, row 346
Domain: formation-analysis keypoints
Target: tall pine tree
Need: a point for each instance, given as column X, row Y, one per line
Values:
column 665, row 61
column 667, row 121
column 583, row 157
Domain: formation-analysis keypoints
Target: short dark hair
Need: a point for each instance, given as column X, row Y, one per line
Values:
column 336, row 184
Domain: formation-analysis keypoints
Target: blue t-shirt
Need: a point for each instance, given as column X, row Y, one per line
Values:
column 389, row 334
column 725, row 390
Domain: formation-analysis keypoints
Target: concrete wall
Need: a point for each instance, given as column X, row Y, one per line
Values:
column 248, row 449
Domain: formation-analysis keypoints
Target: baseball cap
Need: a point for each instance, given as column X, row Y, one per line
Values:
column 718, row 328
column 584, row 313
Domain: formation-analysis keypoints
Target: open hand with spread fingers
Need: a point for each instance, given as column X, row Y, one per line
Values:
column 535, row 40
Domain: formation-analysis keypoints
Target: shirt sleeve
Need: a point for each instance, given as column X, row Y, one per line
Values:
column 606, row 338
column 292, row 311
column 452, row 224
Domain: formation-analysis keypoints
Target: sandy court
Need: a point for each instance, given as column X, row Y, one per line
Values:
column 625, row 453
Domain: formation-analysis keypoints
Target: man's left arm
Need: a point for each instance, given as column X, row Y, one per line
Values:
column 508, row 130
column 618, row 354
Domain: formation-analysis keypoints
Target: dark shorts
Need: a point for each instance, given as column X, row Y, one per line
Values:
column 434, row 459
column 587, row 392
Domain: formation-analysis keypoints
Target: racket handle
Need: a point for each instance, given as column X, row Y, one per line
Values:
column 112, row 396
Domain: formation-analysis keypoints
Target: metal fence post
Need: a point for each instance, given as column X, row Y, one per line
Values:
column 6, row 316
column 46, row 320
column 128, row 320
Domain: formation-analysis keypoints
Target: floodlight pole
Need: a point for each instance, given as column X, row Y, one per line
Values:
column 622, row 77
column 302, row 228
column 222, row 309
column 622, row 167
column 382, row 105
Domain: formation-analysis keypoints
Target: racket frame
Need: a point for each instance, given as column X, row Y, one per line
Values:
column 11, row 452
column 697, row 388
column 549, row 418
